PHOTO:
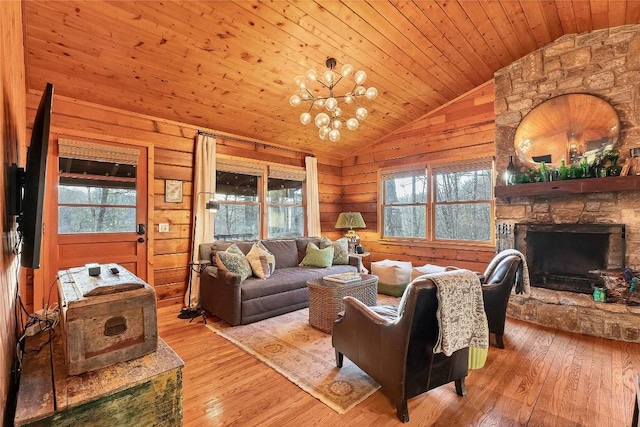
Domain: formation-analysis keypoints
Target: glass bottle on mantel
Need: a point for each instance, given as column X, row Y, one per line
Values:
column 512, row 171
column 544, row 173
column 563, row 171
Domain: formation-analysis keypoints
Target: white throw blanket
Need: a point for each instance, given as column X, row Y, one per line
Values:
column 525, row 286
column 460, row 314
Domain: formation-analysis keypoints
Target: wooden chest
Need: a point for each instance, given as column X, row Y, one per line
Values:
column 105, row 319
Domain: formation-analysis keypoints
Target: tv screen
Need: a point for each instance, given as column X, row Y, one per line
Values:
column 31, row 216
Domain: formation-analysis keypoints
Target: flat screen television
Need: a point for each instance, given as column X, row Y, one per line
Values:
column 29, row 185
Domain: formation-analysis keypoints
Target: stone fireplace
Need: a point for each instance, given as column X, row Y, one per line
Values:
column 570, row 231
column 564, row 257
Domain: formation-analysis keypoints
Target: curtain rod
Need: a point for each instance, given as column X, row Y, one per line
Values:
column 248, row 141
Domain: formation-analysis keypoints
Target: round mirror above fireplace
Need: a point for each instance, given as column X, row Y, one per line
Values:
column 566, row 127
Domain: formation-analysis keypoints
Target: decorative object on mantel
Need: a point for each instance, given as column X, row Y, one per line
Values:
column 172, row 191
column 329, row 123
column 596, row 165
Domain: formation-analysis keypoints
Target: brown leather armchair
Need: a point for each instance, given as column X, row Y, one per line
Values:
column 395, row 346
column 496, row 290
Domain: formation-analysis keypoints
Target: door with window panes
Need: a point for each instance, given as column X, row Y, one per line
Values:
column 101, row 212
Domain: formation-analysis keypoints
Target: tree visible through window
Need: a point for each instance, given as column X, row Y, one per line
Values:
column 463, row 205
column 459, row 207
column 405, row 212
column 286, row 212
column 239, row 214
column 96, row 197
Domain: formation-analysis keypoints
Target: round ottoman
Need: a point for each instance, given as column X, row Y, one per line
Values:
column 393, row 276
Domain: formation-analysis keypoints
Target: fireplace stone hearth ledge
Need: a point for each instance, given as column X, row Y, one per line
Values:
column 577, row 313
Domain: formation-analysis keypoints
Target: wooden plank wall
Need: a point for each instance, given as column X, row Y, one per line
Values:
column 462, row 129
column 173, row 153
column 12, row 144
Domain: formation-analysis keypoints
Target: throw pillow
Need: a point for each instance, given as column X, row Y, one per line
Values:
column 261, row 260
column 317, row 257
column 234, row 261
column 340, row 249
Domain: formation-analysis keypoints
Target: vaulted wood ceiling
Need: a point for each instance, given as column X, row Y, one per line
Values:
column 229, row 66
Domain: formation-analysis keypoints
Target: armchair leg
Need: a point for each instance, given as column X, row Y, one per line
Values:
column 461, row 389
column 402, row 411
column 499, row 342
column 339, row 359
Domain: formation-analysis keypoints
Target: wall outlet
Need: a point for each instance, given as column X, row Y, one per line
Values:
column 163, row 227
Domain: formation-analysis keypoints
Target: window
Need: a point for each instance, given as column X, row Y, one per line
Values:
column 286, row 213
column 405, row 204
column 463, row 204
column 239, row 214
column 438, row 203
column 96, row 195
column 244, row 198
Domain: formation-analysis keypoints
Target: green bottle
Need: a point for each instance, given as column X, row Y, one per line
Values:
column 563, row 171
column 544, row 173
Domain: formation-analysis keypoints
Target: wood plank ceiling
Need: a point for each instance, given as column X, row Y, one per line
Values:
column 229, row 65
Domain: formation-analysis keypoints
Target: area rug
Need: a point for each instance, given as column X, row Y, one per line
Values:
column 303, row 355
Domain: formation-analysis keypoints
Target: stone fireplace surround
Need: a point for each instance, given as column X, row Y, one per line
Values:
column 605, row 63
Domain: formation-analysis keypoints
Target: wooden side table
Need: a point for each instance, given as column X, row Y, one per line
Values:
column 325, row 298
column 363, row 256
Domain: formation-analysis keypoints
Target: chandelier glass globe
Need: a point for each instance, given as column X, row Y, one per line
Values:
column 336, row 111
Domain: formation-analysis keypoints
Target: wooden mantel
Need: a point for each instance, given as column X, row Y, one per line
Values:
column 571, row 186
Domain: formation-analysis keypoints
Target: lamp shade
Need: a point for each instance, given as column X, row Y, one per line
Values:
column 350, row 220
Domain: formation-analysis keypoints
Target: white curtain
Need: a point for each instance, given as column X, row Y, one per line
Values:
column 313, row 199
column 204, row 188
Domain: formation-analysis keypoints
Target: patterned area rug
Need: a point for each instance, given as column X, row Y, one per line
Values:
column 304, row 355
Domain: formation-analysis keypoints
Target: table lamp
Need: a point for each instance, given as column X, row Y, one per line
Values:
column 351, row 220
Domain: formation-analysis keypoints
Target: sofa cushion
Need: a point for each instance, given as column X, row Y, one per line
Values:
column 317, row 257
column 340, row 249
column 234, row 261
column 286, row 279
column 223, row 245
column 262, row 261
column 285, row 252
column 301, row 244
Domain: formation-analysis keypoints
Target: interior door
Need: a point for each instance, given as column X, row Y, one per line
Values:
column 99, row 206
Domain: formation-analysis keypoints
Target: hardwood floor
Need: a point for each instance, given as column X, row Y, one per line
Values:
column 543, row 377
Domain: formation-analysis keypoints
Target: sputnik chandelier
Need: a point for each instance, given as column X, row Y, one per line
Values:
column 330, row 122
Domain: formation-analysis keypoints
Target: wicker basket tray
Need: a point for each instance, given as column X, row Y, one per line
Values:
column 325, row 298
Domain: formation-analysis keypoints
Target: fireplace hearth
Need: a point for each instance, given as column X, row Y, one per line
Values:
column 561, row 256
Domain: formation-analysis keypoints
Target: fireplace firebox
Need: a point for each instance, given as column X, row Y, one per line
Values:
column 560, row 256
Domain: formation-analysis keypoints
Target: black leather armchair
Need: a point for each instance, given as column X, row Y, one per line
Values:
column 395, row 347
column 497, row 282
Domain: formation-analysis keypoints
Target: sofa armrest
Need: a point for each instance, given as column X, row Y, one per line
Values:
column 220, row 294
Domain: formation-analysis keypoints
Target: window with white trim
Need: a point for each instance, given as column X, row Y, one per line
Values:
column 438, row 202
